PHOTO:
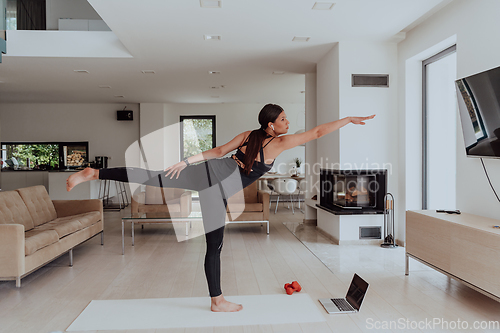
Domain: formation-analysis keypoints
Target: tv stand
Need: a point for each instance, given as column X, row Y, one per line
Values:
column 464, row 247
column 343, row 211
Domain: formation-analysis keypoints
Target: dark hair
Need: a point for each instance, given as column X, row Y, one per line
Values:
column 269, row 113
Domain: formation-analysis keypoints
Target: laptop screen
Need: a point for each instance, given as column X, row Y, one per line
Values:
column 357, row 291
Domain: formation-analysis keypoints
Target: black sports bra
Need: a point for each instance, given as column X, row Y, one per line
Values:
column 259, row 166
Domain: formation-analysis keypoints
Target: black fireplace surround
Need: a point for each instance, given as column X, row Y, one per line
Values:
column 349, row 192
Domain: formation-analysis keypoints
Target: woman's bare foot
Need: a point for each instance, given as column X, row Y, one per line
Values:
column 80, row 177
column 219, row 304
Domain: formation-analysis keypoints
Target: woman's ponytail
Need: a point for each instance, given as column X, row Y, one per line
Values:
column 254, row 144
column 269, row 113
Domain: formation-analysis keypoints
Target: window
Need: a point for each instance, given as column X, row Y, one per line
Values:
column 44, row 155
column 197, row 134
column 16, row 155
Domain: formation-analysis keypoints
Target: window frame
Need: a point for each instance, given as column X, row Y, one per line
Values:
column 434, row 58
column 60, row 161
column 182, row 118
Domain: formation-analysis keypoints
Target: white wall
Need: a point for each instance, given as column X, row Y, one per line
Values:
column 95, row 123
column 231, row 120
column 328, row 147
column 75, row 9
column 311, row 146
column 328, row 104
column 372, row 146
column 474, row 25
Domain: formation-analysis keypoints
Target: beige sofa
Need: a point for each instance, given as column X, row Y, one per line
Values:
column 35, row 230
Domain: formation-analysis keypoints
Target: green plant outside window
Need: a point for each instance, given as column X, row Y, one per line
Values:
column 44, row 154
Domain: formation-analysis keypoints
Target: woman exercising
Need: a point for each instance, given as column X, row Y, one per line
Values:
column 217, row 178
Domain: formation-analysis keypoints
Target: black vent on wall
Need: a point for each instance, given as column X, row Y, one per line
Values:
column 370, row 80
column 370, row 232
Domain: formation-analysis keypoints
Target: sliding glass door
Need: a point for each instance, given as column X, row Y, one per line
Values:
column 439, row 131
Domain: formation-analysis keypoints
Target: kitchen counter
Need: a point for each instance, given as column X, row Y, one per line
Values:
column 57, row 187
column 14, row 179
column 53, row 180
column 20, row 170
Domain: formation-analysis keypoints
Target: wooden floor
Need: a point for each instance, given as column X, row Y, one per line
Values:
column 253, row 263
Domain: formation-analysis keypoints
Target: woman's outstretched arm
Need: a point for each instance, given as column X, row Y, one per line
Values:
column 294, row 140
column 216, row 152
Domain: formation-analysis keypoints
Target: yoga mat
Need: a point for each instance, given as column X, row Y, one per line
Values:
column 195, row 312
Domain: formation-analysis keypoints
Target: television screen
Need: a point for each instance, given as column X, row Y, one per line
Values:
column 479, row 107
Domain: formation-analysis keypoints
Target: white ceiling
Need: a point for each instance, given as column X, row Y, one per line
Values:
column 167, row 36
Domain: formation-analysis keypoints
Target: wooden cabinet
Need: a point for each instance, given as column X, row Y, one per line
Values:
column 465, row 247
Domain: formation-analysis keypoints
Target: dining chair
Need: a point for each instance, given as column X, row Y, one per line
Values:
column 286, row 186
column 301, row 189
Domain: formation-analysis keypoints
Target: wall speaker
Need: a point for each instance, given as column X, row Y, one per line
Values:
column 124, row 115
column 370, row 80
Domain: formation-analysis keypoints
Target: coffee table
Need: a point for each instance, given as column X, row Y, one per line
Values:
column 153, row 218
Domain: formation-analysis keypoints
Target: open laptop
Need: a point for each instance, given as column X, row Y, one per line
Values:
column 352, row 301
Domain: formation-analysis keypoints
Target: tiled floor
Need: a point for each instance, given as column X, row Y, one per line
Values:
column 422, row 297
column 253, row 263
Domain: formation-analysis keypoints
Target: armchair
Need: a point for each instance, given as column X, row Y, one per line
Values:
column 253, row 209
column 173, row 201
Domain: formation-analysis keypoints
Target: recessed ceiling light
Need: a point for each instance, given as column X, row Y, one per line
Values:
column 300, row 39
column 212, row 37
column 323, row 5
column 211, row 3
column 148, row 71
column 278, row 73
column 105, row 87
column 82, row 71
column 213, row 72
column 119, row 96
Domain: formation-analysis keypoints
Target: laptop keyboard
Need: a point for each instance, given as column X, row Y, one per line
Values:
column 342, row 304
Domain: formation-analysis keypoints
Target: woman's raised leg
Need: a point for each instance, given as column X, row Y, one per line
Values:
column 80, row 177
column 194, row 177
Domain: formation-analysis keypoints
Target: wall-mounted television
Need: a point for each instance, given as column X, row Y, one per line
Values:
column 479, row 107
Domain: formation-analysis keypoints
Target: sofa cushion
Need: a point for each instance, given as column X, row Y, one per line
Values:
column 87, row 219
column 245, row 207
column 63, row 226
column 158, row 195
column 37, row 239
column 248, row 195
column 39, row 204
column 172, row 206
column 14, row 211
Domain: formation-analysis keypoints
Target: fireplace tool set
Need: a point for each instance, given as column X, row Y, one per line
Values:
column 389, row 234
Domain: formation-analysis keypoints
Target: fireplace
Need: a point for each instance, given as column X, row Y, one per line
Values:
column 346, row 192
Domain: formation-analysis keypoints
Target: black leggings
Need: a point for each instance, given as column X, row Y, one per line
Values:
column 214, row 188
